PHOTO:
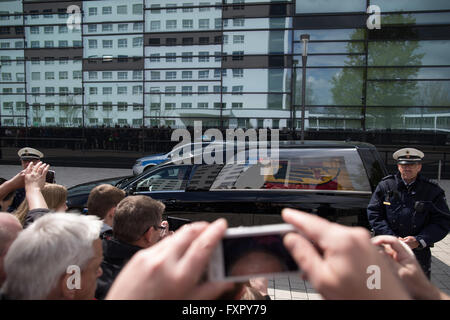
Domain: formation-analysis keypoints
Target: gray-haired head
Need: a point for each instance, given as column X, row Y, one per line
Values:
column 42, row 253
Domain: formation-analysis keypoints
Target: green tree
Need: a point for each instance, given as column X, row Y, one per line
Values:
column 388, row 88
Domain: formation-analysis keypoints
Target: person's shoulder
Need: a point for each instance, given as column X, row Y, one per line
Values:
column 389, row 177
column 431, row 183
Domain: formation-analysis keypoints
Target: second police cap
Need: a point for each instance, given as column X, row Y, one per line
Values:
column 408, row 156
column 28, row 153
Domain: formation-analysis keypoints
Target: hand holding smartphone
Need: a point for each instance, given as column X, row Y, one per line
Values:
column 246, row 252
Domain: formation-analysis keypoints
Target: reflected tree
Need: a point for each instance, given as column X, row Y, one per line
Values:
column 388, row 87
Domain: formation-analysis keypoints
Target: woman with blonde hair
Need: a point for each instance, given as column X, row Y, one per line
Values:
column 55, row 196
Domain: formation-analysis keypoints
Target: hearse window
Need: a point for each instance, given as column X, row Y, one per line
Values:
column 299, row 169
column 203, row 177
column 166, row 179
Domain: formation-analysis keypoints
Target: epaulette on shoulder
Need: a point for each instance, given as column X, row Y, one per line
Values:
column 431, row 181
column 391, row 176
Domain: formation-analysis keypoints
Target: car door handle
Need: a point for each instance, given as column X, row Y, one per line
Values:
column 170, row 201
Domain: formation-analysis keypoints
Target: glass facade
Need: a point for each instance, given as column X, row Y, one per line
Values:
column 235, row 63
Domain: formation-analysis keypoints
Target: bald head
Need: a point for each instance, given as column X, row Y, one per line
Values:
column 9, row 229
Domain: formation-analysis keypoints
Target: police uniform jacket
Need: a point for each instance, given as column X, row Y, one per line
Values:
column 392, row 209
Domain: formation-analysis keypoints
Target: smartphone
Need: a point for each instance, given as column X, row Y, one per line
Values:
column 248, row 252
column 175, row 223
column 50, row 177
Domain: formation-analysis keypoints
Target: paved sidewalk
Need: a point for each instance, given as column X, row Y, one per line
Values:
column 294, row 288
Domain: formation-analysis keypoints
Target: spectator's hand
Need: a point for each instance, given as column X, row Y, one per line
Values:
column 165, row 232
column 35, row 175
column 405, row 264
column 260, row 284
column 18, row 181
column 172, row 268
column 337, row 263
column 410, row 241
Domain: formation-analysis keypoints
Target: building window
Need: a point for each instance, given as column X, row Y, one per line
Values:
column 202, row 105
column 202, row 89
column 137, row 75
column 48, row 44
column 122, row 10
column 203, row 40
column 203, row 23
column 238, row 39
column 188, row 41
column 122, row 75
column 35, row 44
column 122, row 106
column 107, row 44
column 63, row 43
column 171, row 24
column 35, row 76
column 107, row 27
column 204, row 6
column 236, row 105
column 92, row 11
column 238, row 73
column 218, row 105
column 34, row 30
column 203, row 74
column 203, row 56
column 170, row 91
column 137, row 8
column 76, row 75
column 171, row 8
column 186, row 75
column 187, row 7
column 107, row 90
column 49, row 91
column 155, row 75
column 155, row 9
column 171, row 75
column 238, row 22
column 138, row 26
column 171, row 57
column 169, row 105
column 94, row 91
column 107, row 10
column 238, row 55
column 123, row 27
column 138, row 107
column 155, row 25
column 186, row 90
column 186, row 57
column 107, row 106
column 237, row 90
column 186, row 105
column 122, row 43
column 92, row 44
column 93, row 75
column 188, row 24
column 63, row 75
column 138, row 42
column 122, row 90
column 154, row 57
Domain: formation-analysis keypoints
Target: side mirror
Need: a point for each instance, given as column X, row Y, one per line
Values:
column 131, row 190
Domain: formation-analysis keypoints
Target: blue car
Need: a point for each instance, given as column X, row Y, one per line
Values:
column 145, row 163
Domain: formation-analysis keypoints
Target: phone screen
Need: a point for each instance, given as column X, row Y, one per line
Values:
column 253, row 255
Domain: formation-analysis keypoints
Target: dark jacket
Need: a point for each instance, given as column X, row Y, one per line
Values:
column 33, row 215
column 392, row 209
column 115, row 255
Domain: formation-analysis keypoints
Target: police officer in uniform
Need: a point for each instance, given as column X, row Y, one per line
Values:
column 410, row 207
column 26, row 156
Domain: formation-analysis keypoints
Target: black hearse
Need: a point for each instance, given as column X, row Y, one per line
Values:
column 332, row 179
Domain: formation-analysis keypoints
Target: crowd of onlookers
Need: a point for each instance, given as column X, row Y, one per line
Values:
column 122, row 249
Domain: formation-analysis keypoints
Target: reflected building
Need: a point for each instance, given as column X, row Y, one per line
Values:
column 228, row 63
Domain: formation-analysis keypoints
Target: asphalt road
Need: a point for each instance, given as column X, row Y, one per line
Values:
column 70, row 176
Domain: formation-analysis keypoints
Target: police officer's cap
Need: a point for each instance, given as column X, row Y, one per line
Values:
column 27, row 154
column 408, row 156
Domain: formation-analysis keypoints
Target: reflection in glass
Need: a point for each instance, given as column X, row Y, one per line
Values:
column 313, row 6
column 433, row 119
column 412, row 5
column 330, row 86
column 411, row 73
column 332, row 34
